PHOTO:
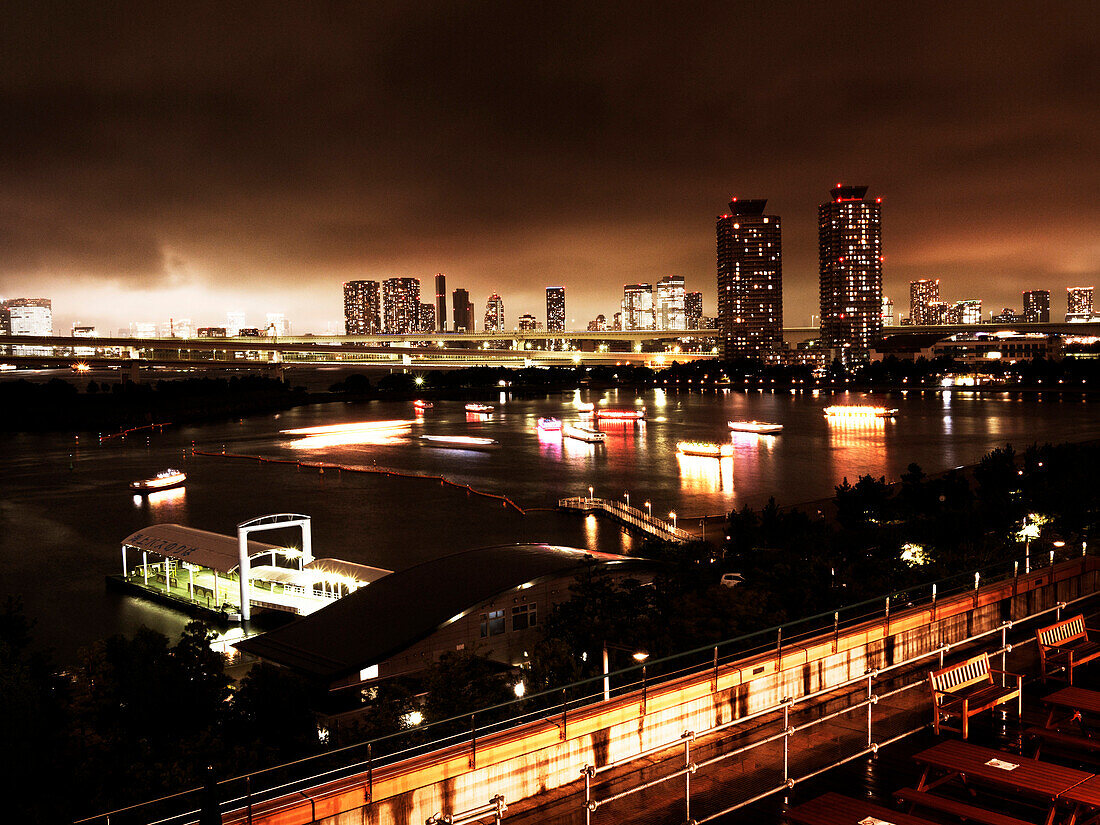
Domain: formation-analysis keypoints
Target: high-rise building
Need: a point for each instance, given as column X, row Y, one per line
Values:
column 968, row 312
column 693, row 309
column 750, row 281
column 921, row 294
column 277, row 324
column 463, row 311
column 638, row 306
column 425, row 318
column 441, row 301
column 30, row 316
column 362, row 308
column 599, row 324
column 555, row 309
column 1079, row 303
column 850, row 268
column 494, row 314
column 887, row 312
column 400, row 305
column 1037, row 306
column 617, row 323
column 527, row 322
column 936, row 312
column 668, row 306
column 233, row 323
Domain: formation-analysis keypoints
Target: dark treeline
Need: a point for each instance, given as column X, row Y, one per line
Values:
column 138, row 717
column 106, row 407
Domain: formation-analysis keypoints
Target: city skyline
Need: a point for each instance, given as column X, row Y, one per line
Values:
column 179, row 175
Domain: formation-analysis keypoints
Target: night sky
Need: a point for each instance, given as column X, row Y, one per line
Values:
column 182, row 162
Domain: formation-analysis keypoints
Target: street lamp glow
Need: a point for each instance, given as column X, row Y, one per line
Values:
column 649, row 509
column 672, row 515
column 419, row 380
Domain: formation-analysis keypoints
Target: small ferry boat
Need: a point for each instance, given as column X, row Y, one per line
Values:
column 759, row 427
column 161, row 481
column 622, row 414
column 549, row 425
column 585, row 406
column 459, row 442
column 420, row 404
column 860, row 412
column 583, row 434
column 704, row 449
column 479, row 408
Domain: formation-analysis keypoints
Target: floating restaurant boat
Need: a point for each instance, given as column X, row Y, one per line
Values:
column 622, row 414
column 549, row 425
column 585, row 406
column 583, row 434
column 860, row 412
column 759, row 427
column 161, row 481
column 459, row 442
column 704, row 449
column 479, row 408
column 419, row 404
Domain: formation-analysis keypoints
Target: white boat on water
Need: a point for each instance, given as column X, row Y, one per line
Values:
column 459, row 442
column 580, row 433
column 704, row 449
column 161, row 481
column 860, row 412
column 621, row 414
column 759, row 427
column 479, row 408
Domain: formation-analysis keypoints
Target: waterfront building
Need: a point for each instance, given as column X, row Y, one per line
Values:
column 668, row 308
column 1006, row 316
column 441, row 301
column 277, row 324
column 1037, row 306
column 425, row 319
column 887, row 312
column 362, row 308
column 1079, row 303
column 638, row 306
column 143, row 329
column 84, row 331
column 234, row 321
column 750, row 281
column 693, row 309
column 617, row 325
column 982, row 347
column 527, row 322
column 494, row 314
column 211, row 332
column 400, row 305
column 463, row 311
column 598, row 325
column 922, row 294
column 969, row 311
column 936, row 313
column 29, row 316
column 850, row 270
column 555, row 309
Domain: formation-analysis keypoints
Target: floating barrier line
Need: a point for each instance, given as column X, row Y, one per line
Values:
column 124, row 433
column 359, row 468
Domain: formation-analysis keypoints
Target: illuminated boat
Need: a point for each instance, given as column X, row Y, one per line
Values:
column 479, row 408
column 419, row 404
column 860, row 412
column 585, row 406
column 459, row 442
column 759, row 427
column 622, row 414
column 549, row 425
column 583, row 434
column 704, row 449
column 161, row 481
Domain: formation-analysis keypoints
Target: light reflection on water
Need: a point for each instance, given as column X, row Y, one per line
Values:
column 699, row 474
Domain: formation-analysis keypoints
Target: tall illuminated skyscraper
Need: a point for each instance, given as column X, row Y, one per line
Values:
column 850, row 267
column 922, row 294
column 463, row 311
column 362, row 308
column 668, row 305
column 441, row 302
column 425, row 319
column 494, row 314
column 750, row 281
column 1037, row 306
column 693, row 309
column 638, row 306
column 1079, row 303
column 555, row 309
column 400, row 305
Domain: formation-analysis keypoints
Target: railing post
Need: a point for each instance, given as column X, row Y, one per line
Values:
column 836, row 631
column 644, row 691
column 870, row 702
column 688, row 736
column 370, row 772
column 473, row 741
column 564, row 717
column 786, row 736
column 588, row 772
column 715, row 690
column 1004, row 651
column 886, row 629
column 248, row 794
column 779, row 649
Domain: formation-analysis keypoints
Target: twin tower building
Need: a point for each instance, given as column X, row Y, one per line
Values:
column 750, row 277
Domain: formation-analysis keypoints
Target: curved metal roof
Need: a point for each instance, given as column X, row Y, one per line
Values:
column 398, row 610
column 211, row 550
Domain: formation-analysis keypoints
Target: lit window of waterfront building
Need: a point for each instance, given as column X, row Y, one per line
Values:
column 1079, row 303
column 441, row 302
column 362, row 308
column 400, row 305
column 555, row 309
column 668, row 308
column 1037, row 306
column 850, row 270
column 638, row 306
column 494, row 314
column 693, row 309
column 922, row 294
column 750, row 281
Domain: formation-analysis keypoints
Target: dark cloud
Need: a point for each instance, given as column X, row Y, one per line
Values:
column 275, row 150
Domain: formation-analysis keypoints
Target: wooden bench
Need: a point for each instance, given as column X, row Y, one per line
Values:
column 1064, row 646
column 1075, row 741
column 966, row 689
column 960, row 809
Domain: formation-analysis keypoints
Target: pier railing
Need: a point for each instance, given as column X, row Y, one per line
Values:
column 630, row 516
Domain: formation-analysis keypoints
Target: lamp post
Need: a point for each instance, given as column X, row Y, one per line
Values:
column 639, row 656
column 672, row 515
column 590, row 495
column 649, row 509
column 626, row 495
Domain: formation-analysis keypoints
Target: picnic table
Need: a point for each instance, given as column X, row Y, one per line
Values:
column 1042, row 781
column 834, row 809
column 1073, row 702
